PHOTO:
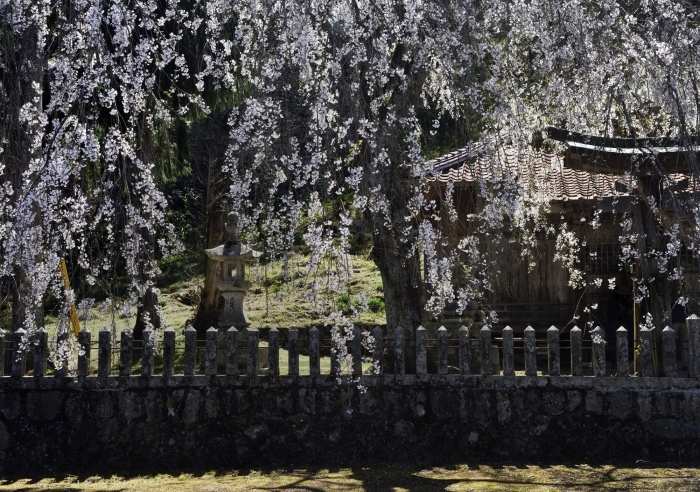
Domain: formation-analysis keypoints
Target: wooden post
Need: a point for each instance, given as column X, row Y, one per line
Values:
column 71, row 307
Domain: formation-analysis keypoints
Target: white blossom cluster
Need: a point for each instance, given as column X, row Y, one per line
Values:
column 85, row 80
column 328, row 129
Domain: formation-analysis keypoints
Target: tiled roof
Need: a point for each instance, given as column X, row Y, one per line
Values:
column 544, row 170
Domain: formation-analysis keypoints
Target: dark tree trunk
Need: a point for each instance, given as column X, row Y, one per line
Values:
column 403, row 291
column 398, row 265
column 23, row 72
column 209, row 309
column 147, row 309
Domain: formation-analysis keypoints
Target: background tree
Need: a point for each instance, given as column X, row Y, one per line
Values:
column 89, row 80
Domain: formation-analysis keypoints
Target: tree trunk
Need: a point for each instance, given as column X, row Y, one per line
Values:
column 147, row 310
column 23, row 74
column 403, row 289
column 398, row 265
column 209, row 309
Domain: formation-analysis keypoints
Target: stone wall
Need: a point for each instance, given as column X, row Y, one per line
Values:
column 94, row 424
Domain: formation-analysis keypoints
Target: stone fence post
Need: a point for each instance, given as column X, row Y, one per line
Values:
column 623, row 360
column 693, row 324
column 464, row 369
column 210, row 357
column 508, row 352
column 646, row 365
column 104, row 353
column 598, row 337
column 335, row 355
column 576, row 337
column 62, row 351
column 149, row 341
column 253, row 343
column 125, row 353
column 231, row 351
column 19, row 342
column 356, row 351
column 553, row 353
column 2, row 352
column 273, row 347
column 485, row 334
column 668, row 340
column 442, row 350
column 378, row 355
column 530, row 352
column 421, row 352
column 399, row 358
column 293, row 348
column 190, row 350
column 168, row 352
column 40, row 353
column 84, row 339
column 314, row 352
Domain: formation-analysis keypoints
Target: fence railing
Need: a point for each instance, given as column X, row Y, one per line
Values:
column 236, row 353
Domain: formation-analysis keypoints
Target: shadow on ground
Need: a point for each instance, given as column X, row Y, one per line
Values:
column 386, row 478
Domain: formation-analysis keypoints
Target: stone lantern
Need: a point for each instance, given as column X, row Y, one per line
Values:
column 233, row 286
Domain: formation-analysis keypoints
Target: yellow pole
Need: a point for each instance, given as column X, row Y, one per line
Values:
column 71, row 307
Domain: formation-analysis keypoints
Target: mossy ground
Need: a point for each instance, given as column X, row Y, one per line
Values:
column 487, row 477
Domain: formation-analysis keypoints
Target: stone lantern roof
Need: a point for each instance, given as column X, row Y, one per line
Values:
column 232, row 249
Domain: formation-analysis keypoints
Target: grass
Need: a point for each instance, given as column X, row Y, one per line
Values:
column 277, row 299
column 484, row 477
column 282, row 300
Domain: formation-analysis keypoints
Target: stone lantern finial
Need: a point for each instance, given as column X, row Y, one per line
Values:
column 232, row 228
